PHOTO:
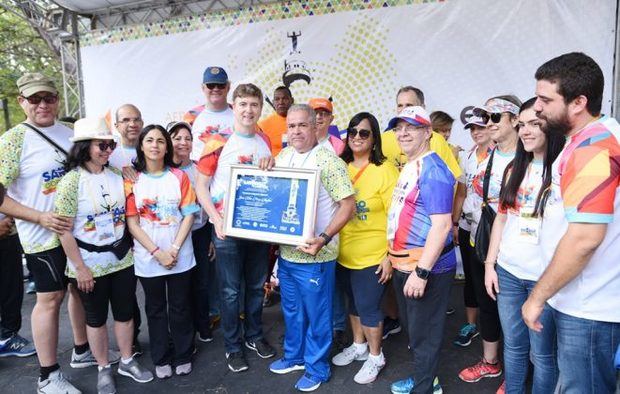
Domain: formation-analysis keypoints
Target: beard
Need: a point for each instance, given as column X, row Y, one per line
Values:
column 558, row 126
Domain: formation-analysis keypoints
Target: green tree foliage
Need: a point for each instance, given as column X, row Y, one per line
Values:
column 22, row 50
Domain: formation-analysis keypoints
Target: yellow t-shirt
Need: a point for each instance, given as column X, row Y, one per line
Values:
column 363, row 241
column 438, row 144
column 275, row 127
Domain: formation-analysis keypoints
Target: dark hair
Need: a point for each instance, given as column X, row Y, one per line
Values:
column 440, row 117
column 174, row 128
column 376, row 154
column 575, row 74
column 247, row 90
column 284, row 88
column 418, row 92
column 139, row 162
column 2, row 192
column 515, row 171
column 78, row 155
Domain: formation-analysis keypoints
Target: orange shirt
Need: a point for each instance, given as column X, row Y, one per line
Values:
column 275, row 127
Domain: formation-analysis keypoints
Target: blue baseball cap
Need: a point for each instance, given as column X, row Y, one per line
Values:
column 416, row 116
column 214, row 74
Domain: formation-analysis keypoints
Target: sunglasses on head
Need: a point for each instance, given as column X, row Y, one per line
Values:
column 49, row 99
column 105, row 145
column 364, row 134
column 212, row 86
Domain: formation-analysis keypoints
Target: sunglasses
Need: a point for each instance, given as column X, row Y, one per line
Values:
column 35, row 100
column 212, row 86
column 364, row 134
column 495, row 117
column 105, row 145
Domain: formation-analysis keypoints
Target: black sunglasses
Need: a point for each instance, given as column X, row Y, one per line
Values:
column 105, row 145
column 212, row 86
column 495, row 117
column 35, row 100
column 364, row 134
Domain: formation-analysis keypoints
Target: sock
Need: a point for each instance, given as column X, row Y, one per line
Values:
column 45, row 372
column 490, row 363
column 100, row 368
column 81, row 349
column 126, row 362
column 378, row 359
column 360, row 347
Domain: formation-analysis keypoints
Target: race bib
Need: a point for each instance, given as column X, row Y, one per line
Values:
column 104, row 225
column 529, row 228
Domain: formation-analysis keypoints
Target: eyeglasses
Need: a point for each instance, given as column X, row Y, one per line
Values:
column 409, row 128
column 363, row 134
column 105, row 145
column 495, row 117
column 212, row 86
column 36, row 100
column 130, row 120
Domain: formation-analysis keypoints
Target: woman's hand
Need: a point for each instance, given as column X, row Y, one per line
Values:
column 84, row 277
column 165, row 259
column 218, row 226
column 384, row 270
column 490, row 281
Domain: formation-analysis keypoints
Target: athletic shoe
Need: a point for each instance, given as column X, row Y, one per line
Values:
column 450, row 311
column 205, row 336
column 56, row 383
column 405, row 386
column 307, row 383
column 17, row 346
column 105, row 381
column 261, row 347
column 466, row 334
column 283, row 366
column 163, row 371
column 135, row 371
column 480, row 370
column 31, row 288
column 348, row 355
column 436, row 386
column 390, row 327
column 136, row 349
column 502, row 388
column 87, row 359
column 236, row 362
column 369, row 371
column 183, row 369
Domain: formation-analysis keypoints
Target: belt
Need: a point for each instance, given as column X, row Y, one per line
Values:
column 407, row 260
column 120, row 248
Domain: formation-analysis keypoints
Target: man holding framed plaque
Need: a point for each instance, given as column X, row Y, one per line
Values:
column 236, row 258
column 307, row 272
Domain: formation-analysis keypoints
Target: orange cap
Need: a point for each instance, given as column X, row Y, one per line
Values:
column 321, row 103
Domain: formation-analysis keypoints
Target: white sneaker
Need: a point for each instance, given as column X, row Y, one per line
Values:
column 56, row 383
column 348, row 355
column 369, row 371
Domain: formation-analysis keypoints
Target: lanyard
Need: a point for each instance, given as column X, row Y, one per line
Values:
column 308, row 154
column 359, row 173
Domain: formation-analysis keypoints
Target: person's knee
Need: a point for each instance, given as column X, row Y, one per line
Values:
column 50, row 300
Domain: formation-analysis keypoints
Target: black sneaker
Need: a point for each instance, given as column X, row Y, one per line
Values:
column 236, row 362
column 136, row 349
column 261, row 347
column 390, row 327
column 450, row 311
column 205, row 335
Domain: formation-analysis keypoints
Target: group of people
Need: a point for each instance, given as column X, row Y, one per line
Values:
column 531, row 208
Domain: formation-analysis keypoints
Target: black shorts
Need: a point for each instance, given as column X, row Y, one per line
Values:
column 48, row 269
column 117, row 289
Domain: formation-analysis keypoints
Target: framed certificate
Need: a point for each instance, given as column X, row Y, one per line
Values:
column 277, row 206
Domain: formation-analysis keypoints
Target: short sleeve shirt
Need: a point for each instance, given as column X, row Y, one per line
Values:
column 122, row 156
column 161, row 202
column 425, row 187
column 200, row 216
column 89, row 198
column 207, row 124
column 473, row 165
column 30, row 169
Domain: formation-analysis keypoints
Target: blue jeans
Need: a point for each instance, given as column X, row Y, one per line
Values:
column 201, row 238
column 520, row 343
column 307, row 296
column 241, row 261
column 586, row 353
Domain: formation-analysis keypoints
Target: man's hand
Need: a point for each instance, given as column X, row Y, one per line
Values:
column 313, row 245
column 53, row 222
column 5, row 226
column 218, row 226
column 531, row 312
column 414, row 286
column 384, row 270
column 84, row 277
column 130, row 173
column 266, row 163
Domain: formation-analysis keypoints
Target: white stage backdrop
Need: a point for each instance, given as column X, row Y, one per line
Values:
column 459, row 52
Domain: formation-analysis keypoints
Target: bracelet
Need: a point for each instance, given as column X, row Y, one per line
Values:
column 490, row 262
column 175, row 247
column 154, row 251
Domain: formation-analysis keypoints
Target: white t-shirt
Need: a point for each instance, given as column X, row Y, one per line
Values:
column 30, row 168
column 473, row 172
column 161, row 202
column 97, row 202
column 210, row 122
column 122, row 157
column 238, row 149
column 200, row 216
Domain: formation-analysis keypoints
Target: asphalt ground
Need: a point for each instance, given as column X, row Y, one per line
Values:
column 211, row 374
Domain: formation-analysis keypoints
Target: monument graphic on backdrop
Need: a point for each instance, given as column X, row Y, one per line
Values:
column 294, row 67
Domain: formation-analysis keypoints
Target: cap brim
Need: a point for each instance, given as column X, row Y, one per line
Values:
column 394, row 121
column 30, row 90
column 87, row 138
column 215, row 80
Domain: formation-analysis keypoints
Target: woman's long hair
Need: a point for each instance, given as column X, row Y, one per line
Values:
column 376, row 154
column 516, row 170
column 78, row 155
column 140, row 161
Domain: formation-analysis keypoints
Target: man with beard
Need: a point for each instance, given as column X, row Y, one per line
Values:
column 582, row 280
column 275, row 124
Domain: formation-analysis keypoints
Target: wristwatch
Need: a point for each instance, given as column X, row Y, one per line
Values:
column 326, row 237
column 422, row 273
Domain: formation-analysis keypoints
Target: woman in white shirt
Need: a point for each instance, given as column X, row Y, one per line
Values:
column 160, row 213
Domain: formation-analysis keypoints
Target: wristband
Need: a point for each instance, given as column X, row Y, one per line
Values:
column 154, row 251
column 326, row 237
column 177, row 248
column 490, row 262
